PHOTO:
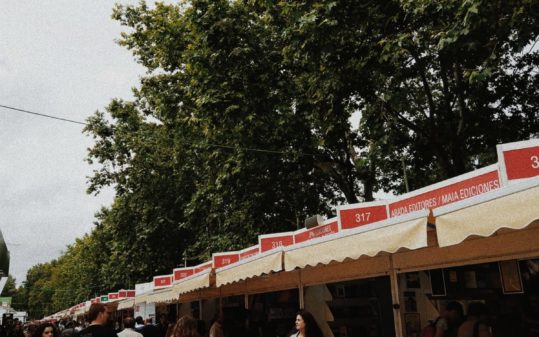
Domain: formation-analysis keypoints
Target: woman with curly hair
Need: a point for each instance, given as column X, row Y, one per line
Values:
column 185, row 327
column 306, row 325
column 46, row 330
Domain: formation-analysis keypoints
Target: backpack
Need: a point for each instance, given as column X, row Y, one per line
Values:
column 430, row 329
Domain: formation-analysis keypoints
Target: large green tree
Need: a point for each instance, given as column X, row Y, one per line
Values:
column 241, row 125
column 438, row 84
column 212, row 152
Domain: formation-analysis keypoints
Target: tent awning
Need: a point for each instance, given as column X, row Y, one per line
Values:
column 197, row 281
column 127, row 303
column 389, row 236
column 513, row 206
column 142, row 297
column 254, row 266
column 162, row 296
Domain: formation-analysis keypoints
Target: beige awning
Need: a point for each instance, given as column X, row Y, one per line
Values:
column 191, row 283
column 162, row 296
column 127, row 303
column 253, row 266
column 514, row 206
column 405, row 232
column 142, row 297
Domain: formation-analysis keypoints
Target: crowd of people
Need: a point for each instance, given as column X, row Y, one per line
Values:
column 99, row 323
column 451, row 323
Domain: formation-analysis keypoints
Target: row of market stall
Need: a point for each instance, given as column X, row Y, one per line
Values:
column 378, row 269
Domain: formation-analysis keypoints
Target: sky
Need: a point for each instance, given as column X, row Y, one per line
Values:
column 57, row 57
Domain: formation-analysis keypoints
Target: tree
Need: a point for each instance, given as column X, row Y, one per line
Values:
column 212, row 151
column 241, row 125
column 438, row 84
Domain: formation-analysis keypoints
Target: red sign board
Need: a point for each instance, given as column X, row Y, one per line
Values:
column 114, row 296
column 131, row 293
column 521, row 163
column 447, row 194
column 162, row 281
column 122, row 293
column 181, row 273
column 316, row 232
column 224, row 259
column 247, row 253
column 203, row 267
column 273, row 241
column 356, row 215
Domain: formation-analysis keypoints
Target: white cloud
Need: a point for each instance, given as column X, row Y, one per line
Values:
column 59, row 58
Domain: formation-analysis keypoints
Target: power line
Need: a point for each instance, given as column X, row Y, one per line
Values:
column 230, row 147
column 42, row 115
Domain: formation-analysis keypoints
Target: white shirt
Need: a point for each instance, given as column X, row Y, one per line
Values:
column 128, row 332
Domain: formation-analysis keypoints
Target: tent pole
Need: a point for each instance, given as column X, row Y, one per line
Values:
column 393, row 277
column 301, row 292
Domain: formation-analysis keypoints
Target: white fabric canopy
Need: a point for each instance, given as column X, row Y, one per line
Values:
column 514, row 206
column 253, row 266
column 388, row 236
column 162, row 296
column 126, row 303
column 191, row 283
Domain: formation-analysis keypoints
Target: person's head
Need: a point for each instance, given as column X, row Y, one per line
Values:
column 129, row 322
column 31, row 328
column 99, row 313
column 7, row 322
column 46, row 330
column 453, row 311
column 186, row 326
column 306, row 323
column 148, row 321
column 139, row 320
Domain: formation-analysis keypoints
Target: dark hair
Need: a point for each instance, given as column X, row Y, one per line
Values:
column 38, row 332
column 311, row 328
column 139, row 320
column 129, row 322
column 94, row 311
column 454, row 306
column 185, row 327
column 477, row 309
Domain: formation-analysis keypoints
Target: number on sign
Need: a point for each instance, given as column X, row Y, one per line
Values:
column 363, row 217
column 535, row 162
column 276, row 244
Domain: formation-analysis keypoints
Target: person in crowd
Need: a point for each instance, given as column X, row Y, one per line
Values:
column 99, row 317
column 185, row 327
column 70, row 329
column 162, row 325
column 139, row 323
column 306, row 325
column 149, row 330
column 450, row 319
column 129, row 328
column 30, row 329
column 216, row 329
column 476, row 324
column 18, row 330
column 46, row 330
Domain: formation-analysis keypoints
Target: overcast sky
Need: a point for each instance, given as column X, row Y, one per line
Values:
column 57, row 57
